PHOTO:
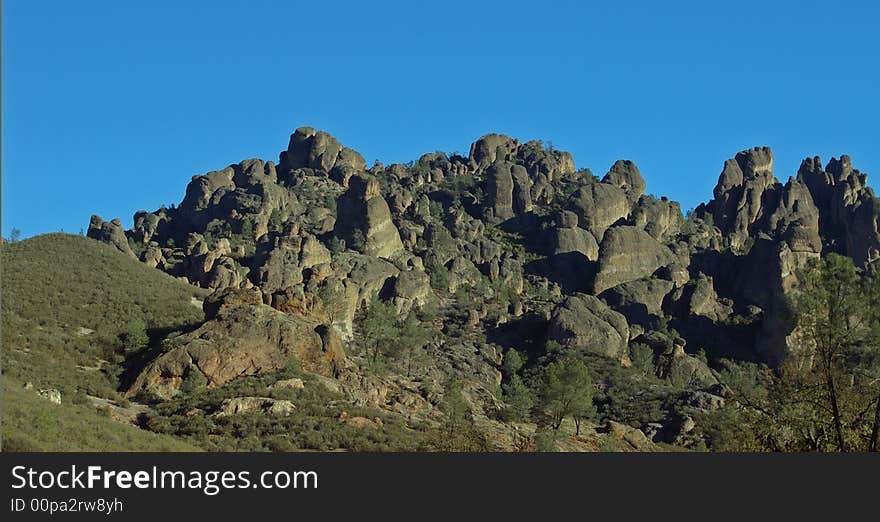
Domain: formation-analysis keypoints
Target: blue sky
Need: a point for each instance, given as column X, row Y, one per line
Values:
column 110, row 107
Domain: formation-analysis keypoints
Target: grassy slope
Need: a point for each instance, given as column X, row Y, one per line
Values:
column 55, row 284
column 31, row 423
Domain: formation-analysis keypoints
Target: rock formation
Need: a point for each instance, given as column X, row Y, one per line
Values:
column 109, row 232
column 512, row 247
column 628, row 253
column 240, row 338
column 364, row 219
column 586, row 323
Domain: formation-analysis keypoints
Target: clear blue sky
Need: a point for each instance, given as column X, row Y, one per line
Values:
column 111, row 106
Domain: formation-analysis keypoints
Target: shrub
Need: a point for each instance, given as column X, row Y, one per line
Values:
column 545, row 440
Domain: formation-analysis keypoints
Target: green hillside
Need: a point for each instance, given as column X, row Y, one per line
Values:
column 31, row 423
column 74, row 310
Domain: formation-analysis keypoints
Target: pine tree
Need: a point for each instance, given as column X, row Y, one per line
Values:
column 377, row 330
column 869, row 358
column 454, row 405
column 412, row 337
column 830, row 309
column 519, row 399
column 567, row 390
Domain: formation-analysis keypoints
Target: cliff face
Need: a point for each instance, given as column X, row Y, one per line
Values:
column 528, row 239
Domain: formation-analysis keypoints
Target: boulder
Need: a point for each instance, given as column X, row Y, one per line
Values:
column 703, row 301
column 660, row 218
column 230, row 297
column 149, row 224
column 684, row 369
column 702, row 401
column 240, row 340
column 627, row 437
column 265, row 405
column 567, row 237
column 522, row 186
column 507, row 190
column 362, row 278
column 543, row 163
column 795, row 218
column 598, row 206
column 628, row 253
column 288, row 384
column 583, row 322
column 765, row 278
column 640, row 301
column 462, row 272
column 361, row 422
column 50, row 394
column 411, row 289
column 205, row 190
column 153, row 257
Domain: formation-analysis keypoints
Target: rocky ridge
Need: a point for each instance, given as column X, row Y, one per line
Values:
column 529, row 250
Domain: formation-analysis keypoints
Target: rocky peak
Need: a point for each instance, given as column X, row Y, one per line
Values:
column 491, row 148
column 625, row 175
column 740, row 194
column 756, row 163
column 848, row 211
column 312, row 149
column 318, row 150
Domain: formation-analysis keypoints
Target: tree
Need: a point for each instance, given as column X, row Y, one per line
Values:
column 642, row 357
column 384, row 335
column 869, row 358
column 377, row 329
column 133, row 337
column 14, row 235
column 512, row 364
column 412, row 337
column 332, row 296
column 567, row 390
column 438, row 274
column 193, row 380
column 454, row 405
column 830, row 317
column 825, row 395
column 752, row 418
column 519, row 399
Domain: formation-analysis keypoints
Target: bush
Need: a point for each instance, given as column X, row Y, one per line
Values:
column 193, row 381
column 545, row 440
column 336, row 245
column 642, row 357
